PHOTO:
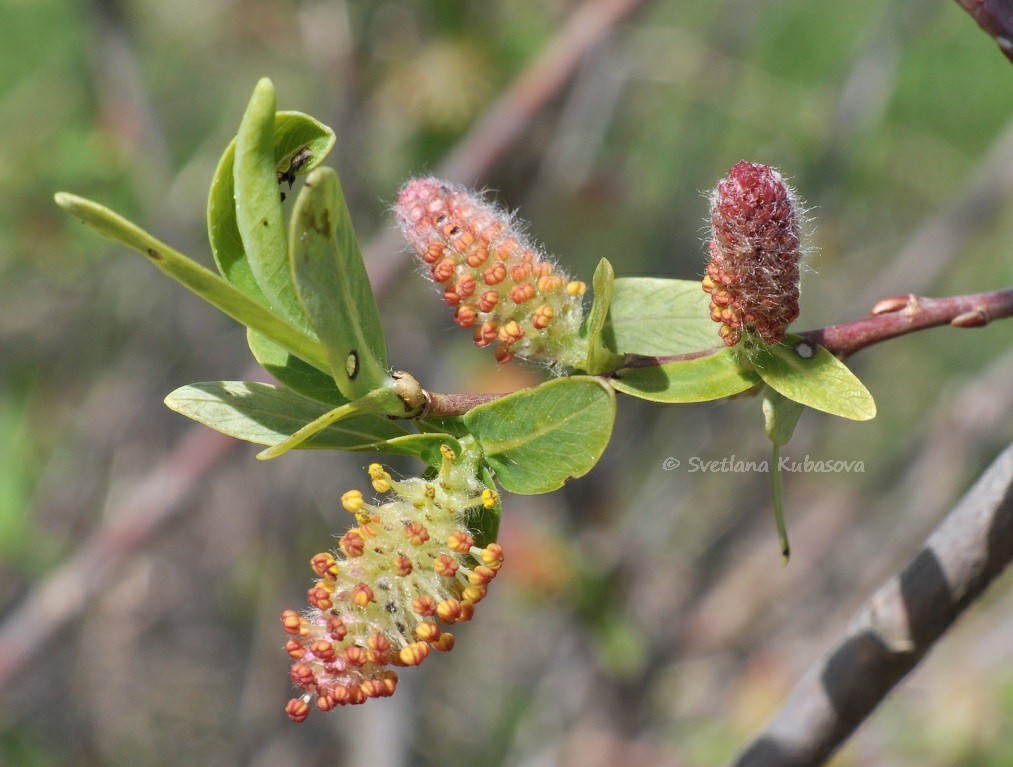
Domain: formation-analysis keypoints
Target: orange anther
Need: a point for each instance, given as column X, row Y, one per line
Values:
column 465, row 316
column 460, row 541
column 428, row 631
column 521, row 293
column 319, row 597
column 425, row 606
column 445, row 643
column 543, row 316
column 291, row 622
column 403, row 566
column 352, row 545
column 297, row 709
column 324, row 650
column 446, row 565
column 416, row 533
column 444, row 270
column 301, row 675
column 449, row 610
column 481, row 575
column 495, row 274
column 414, row 654
column 335, row 628
column 356, row 656
column 492, row 556
column 488, row 300
column 477, row 257
column 362, row 594
column 326, row 701
column 433, row 253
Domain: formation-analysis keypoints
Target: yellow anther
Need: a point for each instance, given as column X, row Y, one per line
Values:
column 352, row 501
column 576, row 288
column 489, row 498
column 380, row 477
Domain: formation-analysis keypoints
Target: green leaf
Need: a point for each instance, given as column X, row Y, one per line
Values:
column 293, row 372
column 485, row 523
column 265, row 415
column 192, row 275
column 259, row 215
column 369, row 404
column 599, row 358
column 334, row 288
column 448, row 425
column 780, row 416
column 300, row 144
column 709, row 377
column 536, row 439
column 809, row 374
column 425, row 447
column 659, row 317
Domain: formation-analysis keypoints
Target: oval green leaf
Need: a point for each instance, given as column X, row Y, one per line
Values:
column 300, row 144
column 334, row 288
column 536, row 439
column 293, row 372
column 701, row 379
column 266, row 415
column 659, row 317
column 195, row 277
column 807, row 373
column 259, row 215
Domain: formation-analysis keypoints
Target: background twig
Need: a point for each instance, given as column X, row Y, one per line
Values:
column 896, row 627
column 996, row 18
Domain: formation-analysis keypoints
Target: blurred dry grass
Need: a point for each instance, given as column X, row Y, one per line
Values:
column 668, row 631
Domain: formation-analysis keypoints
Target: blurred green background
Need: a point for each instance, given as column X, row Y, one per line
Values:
column 643, row 616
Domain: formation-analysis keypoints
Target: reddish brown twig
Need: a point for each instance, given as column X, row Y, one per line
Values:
column 996, row 18
column 892, row 317
column 899, row 315
column 895, row 628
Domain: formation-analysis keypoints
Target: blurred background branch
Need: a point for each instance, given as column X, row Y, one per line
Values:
column 996, row 18
column 896, row 628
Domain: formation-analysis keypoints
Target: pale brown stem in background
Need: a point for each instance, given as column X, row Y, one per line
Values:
column 896, row 628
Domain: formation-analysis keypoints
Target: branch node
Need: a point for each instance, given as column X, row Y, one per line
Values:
column 972, row 319
column 890, row 305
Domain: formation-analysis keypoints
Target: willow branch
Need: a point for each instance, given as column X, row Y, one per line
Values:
column 995, row 17
column 900, row 315
column 891, row 318
column 896, row 628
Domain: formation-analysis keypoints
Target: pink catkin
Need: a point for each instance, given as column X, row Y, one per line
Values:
column 500, row 285
column 753, row 274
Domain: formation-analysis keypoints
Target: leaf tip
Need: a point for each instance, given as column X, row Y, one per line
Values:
column 264, row 85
